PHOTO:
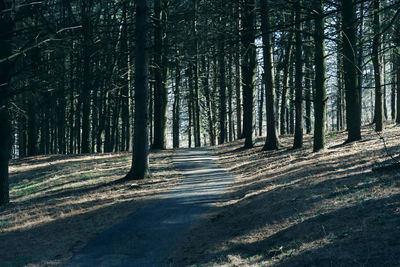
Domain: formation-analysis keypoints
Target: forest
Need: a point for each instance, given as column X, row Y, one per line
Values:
column 95, row 77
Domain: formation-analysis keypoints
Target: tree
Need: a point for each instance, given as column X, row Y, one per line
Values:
column 248, row 68
column 222, row 91
column 308, row 78
column 287, row 62
column 6, row 28
column 140, row 161
column 376, row 59
column 298, row 132
column 397, row 70
column 320, row 78
column 196, row 106
column 238, row 84
column 161, row 76
column 353, row 104
column 86, row 85
column 176, row 110
column 272, row 141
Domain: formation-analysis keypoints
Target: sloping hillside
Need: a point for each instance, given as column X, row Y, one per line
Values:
column 298, row 208
column 59, row 202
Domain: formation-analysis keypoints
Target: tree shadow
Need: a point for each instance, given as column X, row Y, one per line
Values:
column 309, row 210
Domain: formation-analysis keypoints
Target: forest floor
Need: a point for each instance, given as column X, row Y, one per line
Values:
column 60, row 202
column 337, row 207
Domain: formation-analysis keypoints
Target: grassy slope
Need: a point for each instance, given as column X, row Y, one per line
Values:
column 59, row 202
column 298, row 208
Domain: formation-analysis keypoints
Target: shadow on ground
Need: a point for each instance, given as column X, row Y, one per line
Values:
column 297, row 208
column 58, row 203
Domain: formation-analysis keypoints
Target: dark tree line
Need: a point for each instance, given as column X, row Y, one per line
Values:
column 105, row 76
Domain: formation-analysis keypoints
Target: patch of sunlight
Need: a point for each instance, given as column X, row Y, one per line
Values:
column 32, row 220
column 26, row 189
column 28, row 167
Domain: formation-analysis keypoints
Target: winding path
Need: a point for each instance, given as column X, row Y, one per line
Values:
column 149, row 235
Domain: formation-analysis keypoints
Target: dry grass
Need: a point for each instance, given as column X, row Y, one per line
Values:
column 298, row 208
column 60, row 202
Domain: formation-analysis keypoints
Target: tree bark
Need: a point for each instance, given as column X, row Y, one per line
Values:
column 339, row 73
column 140, row 161
column 393, row 85
column 353, row 103
column 229, row 88
column 86, row 72
column 286, row 68
column 272, row 141
column 376, row 60
column 238, row 85
column 196, row 78
column 6, row 28
column 176, row 108
column 360, row 57
column 320, row 79
column 161, row 71
column 248, row 69
column 308, row 79
column 298, row 132
column 206, row 87
column 222, row 91
column 261, row 105
column 398, row 79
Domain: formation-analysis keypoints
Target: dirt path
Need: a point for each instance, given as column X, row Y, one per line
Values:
column 148, row 236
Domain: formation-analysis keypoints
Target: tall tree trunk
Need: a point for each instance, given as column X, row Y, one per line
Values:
column 248, row 69
column 290, row 125
column 206, row 88
column 272, row 141
column 191, row 111
column 6, row 28
column 151, row 109
column 393, row 85
column 384, row 79
column 107, row 124
column 398, row 88
column 196, row 78
column 308, row 79
column 101, row 104
column 339, row 74
column 298, row 132
column 238, row 85
column 222, row 91
column 72, row 101
column 278, row 92
column 124, row 61
column 22, row 128
column 320, row 78
column 376, row 60
column 353, row 103
column 229, row 87
column 140, row 161
column 261, row 105
column 61, row 107
column 397, row 71
column 33, row 147
column 213, row 94
column 190, row 105
column 86, row 73
column 161, row 71
column 286, row 68
column 176, row 108
column 360, row 57
column 95, row 117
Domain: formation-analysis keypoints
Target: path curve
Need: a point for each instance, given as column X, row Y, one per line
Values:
column 149, row 235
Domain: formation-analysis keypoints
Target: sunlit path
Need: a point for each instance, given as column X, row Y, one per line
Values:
column 148, row 236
